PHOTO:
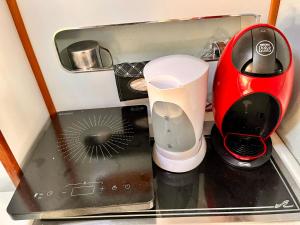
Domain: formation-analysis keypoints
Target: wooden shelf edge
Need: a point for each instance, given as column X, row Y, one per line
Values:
column 6, row 156
column 18, row 21
column 9, row 162
column 273, row 12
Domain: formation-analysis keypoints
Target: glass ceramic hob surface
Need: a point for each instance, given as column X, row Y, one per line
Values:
column 87, row 162
column 212, row 189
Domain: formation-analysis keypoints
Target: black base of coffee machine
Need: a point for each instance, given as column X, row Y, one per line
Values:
column 217, row 141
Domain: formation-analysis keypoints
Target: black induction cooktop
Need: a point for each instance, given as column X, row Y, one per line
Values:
column 213, row 189
column 79, row 181
column 87, row 162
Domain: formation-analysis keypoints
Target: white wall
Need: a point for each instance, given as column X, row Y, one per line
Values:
column 44, row 19
column 23, row 112
column 289, row 22
column 5, row 182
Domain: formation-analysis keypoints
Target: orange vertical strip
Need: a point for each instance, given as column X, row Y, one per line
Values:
column 9, row 162
column 273, row 12
column 14, row 10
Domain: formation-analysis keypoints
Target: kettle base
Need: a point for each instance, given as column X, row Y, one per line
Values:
column 217, row 141
column 179, row 165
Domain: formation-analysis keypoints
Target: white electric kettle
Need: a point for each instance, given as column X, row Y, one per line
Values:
column 177, row 89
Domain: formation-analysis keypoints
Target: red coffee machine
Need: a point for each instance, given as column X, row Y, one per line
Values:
column 251, row 92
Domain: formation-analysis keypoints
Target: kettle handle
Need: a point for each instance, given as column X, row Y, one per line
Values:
column 110, row 55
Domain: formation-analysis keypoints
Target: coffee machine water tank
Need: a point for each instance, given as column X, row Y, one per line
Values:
column 251, row 92
column 177, row 89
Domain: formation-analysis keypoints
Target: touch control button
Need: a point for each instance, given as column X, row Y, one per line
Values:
column 38, row 195
column 101, row 189
column 49, row 193
column 127, row 186
column 114, row 188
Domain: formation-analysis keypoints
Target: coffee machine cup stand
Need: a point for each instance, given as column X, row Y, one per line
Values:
column 251, row 92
